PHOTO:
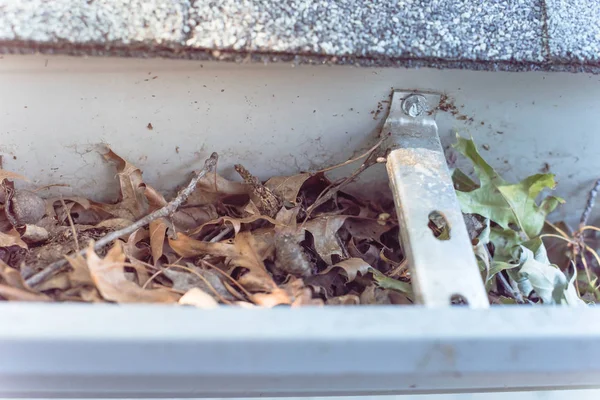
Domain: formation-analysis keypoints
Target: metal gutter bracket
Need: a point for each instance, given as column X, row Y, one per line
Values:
column 432, row 229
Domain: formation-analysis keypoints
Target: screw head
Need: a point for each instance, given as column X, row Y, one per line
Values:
column 415, row 105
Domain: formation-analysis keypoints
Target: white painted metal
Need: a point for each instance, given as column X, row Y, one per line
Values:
column 277, row 119
column 131, row 351
column 421, row 185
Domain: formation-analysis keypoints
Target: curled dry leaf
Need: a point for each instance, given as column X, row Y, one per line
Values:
column 109, row 276
column 12, row 238
column 243, row 251
column 236, row 223
column 324, row 231
column 132, row 203
column 185, row 281
column 4, row 174
column 287, row 187
column 198, row 298
column 12, row 286
column 345, row 300
column 213, row 187
column 351, row 267
column 275, row 298
column 158, row 229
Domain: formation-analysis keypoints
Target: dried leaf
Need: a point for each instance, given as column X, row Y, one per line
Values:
column 109, row 276
column 287, row 187
column 12, row 238
column 503, row 203
column 132, row 204
column 366, row 228
column 324, row 231
column 351, row 267
column 197, row 298
column 81, row 274
column 158, row 229
column 15, row 288
column 243, row 251
column 60, row 282
column 13, row 293
column 184, row 281
column 345, row 300
column 269, row 300
column 236, row 223
column 212, row 187
column 188, row 218
column 4, row 174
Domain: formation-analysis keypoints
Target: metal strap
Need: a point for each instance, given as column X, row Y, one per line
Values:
column 443, row 268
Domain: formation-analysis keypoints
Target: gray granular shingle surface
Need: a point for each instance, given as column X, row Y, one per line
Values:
column 574, row 29
column 474, row 30
column 490, row 34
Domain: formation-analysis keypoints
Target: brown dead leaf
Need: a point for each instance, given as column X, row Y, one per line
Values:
column 198, row 298
column 324, row 231
column 375, row 295
column 13, row 293
column 368, row 252
column 287, row 187
column 236, row 223
column 109, row 276
column 212, row 187
column 12, row 238
column 60, row 281
column 189, row 218
column 345, row 300
column 351, row 267
column 158, row 229
column 14, row 287
column 367, row 228
column 4, row 174
column 185, row 281
column 269, row 300
column 81, row 273
column 243, row 251
column 300, row 294
column 132, row 203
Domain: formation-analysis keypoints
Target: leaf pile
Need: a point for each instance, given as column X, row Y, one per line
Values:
column 506, row 225
column 294, row 240
column 290, row 241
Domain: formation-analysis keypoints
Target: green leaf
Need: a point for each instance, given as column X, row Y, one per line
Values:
column 506, row 244
column 392, row 284
column 503, row 203
column 547, row 280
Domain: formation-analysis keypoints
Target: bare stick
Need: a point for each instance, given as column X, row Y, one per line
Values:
column 330, row 192
column 590, row 203
column 165, row 211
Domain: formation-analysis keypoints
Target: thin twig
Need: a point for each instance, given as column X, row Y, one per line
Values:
column 73, row 230
column 165, row 211
column 221, row 234
column 590, row 204
column 350, row 161
column 328, row 193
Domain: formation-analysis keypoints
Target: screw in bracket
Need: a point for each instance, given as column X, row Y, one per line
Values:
column 415, row 105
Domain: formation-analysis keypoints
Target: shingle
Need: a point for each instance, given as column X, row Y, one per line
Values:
column 574, row 30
